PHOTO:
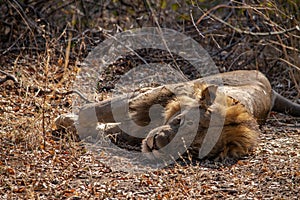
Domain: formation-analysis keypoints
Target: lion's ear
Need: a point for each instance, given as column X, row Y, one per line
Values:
column 208, row 94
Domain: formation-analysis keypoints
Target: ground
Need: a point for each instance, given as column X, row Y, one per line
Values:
column 38, row 163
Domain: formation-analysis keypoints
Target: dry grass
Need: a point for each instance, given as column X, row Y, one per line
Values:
column 36, row 165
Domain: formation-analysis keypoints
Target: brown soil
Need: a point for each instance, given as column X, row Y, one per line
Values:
column 41, row 68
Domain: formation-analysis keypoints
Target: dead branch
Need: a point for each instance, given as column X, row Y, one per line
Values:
column 209, row 13
column 8, row 77
column 289, row 63
column 194, row 24
column 295, row 28
column 78, row 93
column 55, row 91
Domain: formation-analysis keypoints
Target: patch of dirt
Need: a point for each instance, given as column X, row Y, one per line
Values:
column 42, row 45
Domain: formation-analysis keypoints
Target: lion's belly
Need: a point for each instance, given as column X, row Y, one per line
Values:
column 255, row 98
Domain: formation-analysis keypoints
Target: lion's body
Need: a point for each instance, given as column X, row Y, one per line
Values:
column 230, row 107
column 221, row 117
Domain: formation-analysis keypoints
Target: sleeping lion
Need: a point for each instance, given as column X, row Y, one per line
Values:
column 217, row 116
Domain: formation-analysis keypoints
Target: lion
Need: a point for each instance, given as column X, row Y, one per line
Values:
column 228, row 109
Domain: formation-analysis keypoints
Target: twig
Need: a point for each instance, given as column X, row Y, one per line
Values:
column 44, row 92
column 8, row 77
column 283, row 45
column 289, row 63
column 78, row 93
column 14, row 43
column 209, row 13
column 237, row 58
column 24, row 17
column 256, row 33
column 21, row 48
column 229, row 6
column 192, row 18
column 230, row 45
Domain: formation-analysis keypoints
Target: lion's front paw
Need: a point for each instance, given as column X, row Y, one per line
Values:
column 157, row 139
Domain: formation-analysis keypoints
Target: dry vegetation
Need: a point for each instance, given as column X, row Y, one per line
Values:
column 42, row 44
